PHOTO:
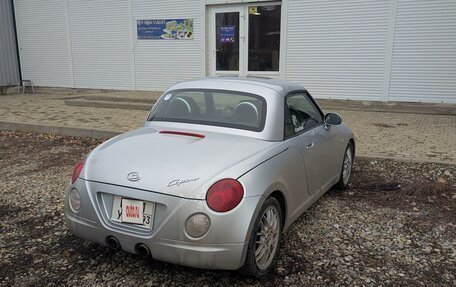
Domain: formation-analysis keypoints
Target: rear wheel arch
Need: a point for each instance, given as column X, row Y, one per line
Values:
column 277, row 194
column 264, row 239
column 352, row 141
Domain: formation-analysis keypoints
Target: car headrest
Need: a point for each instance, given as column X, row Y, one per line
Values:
column 179, row 107
column 246, row 113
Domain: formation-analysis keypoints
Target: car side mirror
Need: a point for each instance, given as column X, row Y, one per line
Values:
column 333, row 119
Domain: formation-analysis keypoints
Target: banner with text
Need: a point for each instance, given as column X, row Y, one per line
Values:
column 166, row 29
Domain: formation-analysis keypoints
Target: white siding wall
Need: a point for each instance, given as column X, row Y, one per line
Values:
column 336, row 49
column 424, row 55
column 396, row 50
column 9, row 66
column 100, row 43
column 43, row 42
column 160, row 63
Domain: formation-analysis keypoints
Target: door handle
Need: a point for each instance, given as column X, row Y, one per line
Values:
column 311, row 145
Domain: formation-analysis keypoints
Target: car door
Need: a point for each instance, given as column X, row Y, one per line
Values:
column 314, row 140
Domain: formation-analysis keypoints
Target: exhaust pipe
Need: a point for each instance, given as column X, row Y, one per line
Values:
column 113, row 243
column 143, row 250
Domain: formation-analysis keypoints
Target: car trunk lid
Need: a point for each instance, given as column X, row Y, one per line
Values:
column 174, row 162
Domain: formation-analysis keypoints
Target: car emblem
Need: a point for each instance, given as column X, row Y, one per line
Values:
column 133, row 176
column 178, row 182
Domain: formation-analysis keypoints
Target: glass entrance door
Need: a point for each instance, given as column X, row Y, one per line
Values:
column 245, row 40
column 227, row 41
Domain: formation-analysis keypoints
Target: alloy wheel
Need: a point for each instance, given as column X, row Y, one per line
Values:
column 267, row 238
column 348, row 160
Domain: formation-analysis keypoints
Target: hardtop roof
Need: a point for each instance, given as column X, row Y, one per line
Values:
column 280, row 86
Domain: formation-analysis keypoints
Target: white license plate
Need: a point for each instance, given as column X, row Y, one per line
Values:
column 133, row 211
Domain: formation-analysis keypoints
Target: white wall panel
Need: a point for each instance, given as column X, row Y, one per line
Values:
column 9, row 66
column 43, row 42
column 161, row 63
column 424, row 55
column 100, row 40
column 396, row 50
column 336, row 49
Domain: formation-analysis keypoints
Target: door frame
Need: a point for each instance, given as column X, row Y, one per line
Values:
column 243, row 8
column 212, row 39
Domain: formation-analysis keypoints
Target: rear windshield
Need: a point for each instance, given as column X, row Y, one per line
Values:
column 211, row 107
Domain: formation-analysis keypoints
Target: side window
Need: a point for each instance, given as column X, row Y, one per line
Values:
column 288, row 129
column 304, row 114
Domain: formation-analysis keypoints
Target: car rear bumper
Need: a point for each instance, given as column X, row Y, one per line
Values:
column 208, row 256
column 223, row 247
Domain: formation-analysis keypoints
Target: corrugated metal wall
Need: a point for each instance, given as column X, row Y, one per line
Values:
column 401, row 50
column 424, row 54
column 336, row 49
column 9, row 66
column 44, row 42
column 92, row 44
column 100, row 43
column 158, row 64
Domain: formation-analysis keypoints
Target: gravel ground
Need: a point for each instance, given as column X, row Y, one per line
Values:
column 395, row 225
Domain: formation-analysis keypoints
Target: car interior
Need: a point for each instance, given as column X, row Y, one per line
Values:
column 244, row 112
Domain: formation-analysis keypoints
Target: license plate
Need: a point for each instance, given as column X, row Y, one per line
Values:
column 133, row 211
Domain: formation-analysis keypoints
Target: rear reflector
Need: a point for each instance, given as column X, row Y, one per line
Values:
column 183, row 134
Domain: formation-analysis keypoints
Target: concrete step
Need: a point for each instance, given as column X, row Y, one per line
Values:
column 111, row 103
column 120, row 99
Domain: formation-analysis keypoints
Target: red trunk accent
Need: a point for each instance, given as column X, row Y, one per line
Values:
column 183, row 134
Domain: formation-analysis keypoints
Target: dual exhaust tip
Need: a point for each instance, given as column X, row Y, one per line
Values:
column 113, row 243
column 140, row 248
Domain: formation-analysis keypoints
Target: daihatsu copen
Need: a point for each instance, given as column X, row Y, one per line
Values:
column 220, row 169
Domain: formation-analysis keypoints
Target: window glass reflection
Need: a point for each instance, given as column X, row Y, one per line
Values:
column 264, row 38
column 227, row 41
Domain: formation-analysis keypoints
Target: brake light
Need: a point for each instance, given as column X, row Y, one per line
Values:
column 224, row 195
column 77, row 170
column 183, row 134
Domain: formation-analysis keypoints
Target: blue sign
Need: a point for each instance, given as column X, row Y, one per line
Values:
column 227, row 34
column 168, row 29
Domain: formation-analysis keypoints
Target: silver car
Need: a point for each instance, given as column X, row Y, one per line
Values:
column 220, row 169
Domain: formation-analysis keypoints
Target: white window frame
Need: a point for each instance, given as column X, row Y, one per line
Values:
column 242, row 8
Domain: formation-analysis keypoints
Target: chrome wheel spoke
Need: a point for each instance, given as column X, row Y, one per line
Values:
column 262, row 225
column 268, row 253
column 268, row 216
column 261, row 241
column 275, row 234
column 261, row 233
column 274, row 224
column 258, row 250
column 259, row 254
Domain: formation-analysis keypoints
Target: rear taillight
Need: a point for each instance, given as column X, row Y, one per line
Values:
column 224, row 195
column 77, row 170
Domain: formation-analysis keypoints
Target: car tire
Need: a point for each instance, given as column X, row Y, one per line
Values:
column 259, row 258
column 347, row 165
